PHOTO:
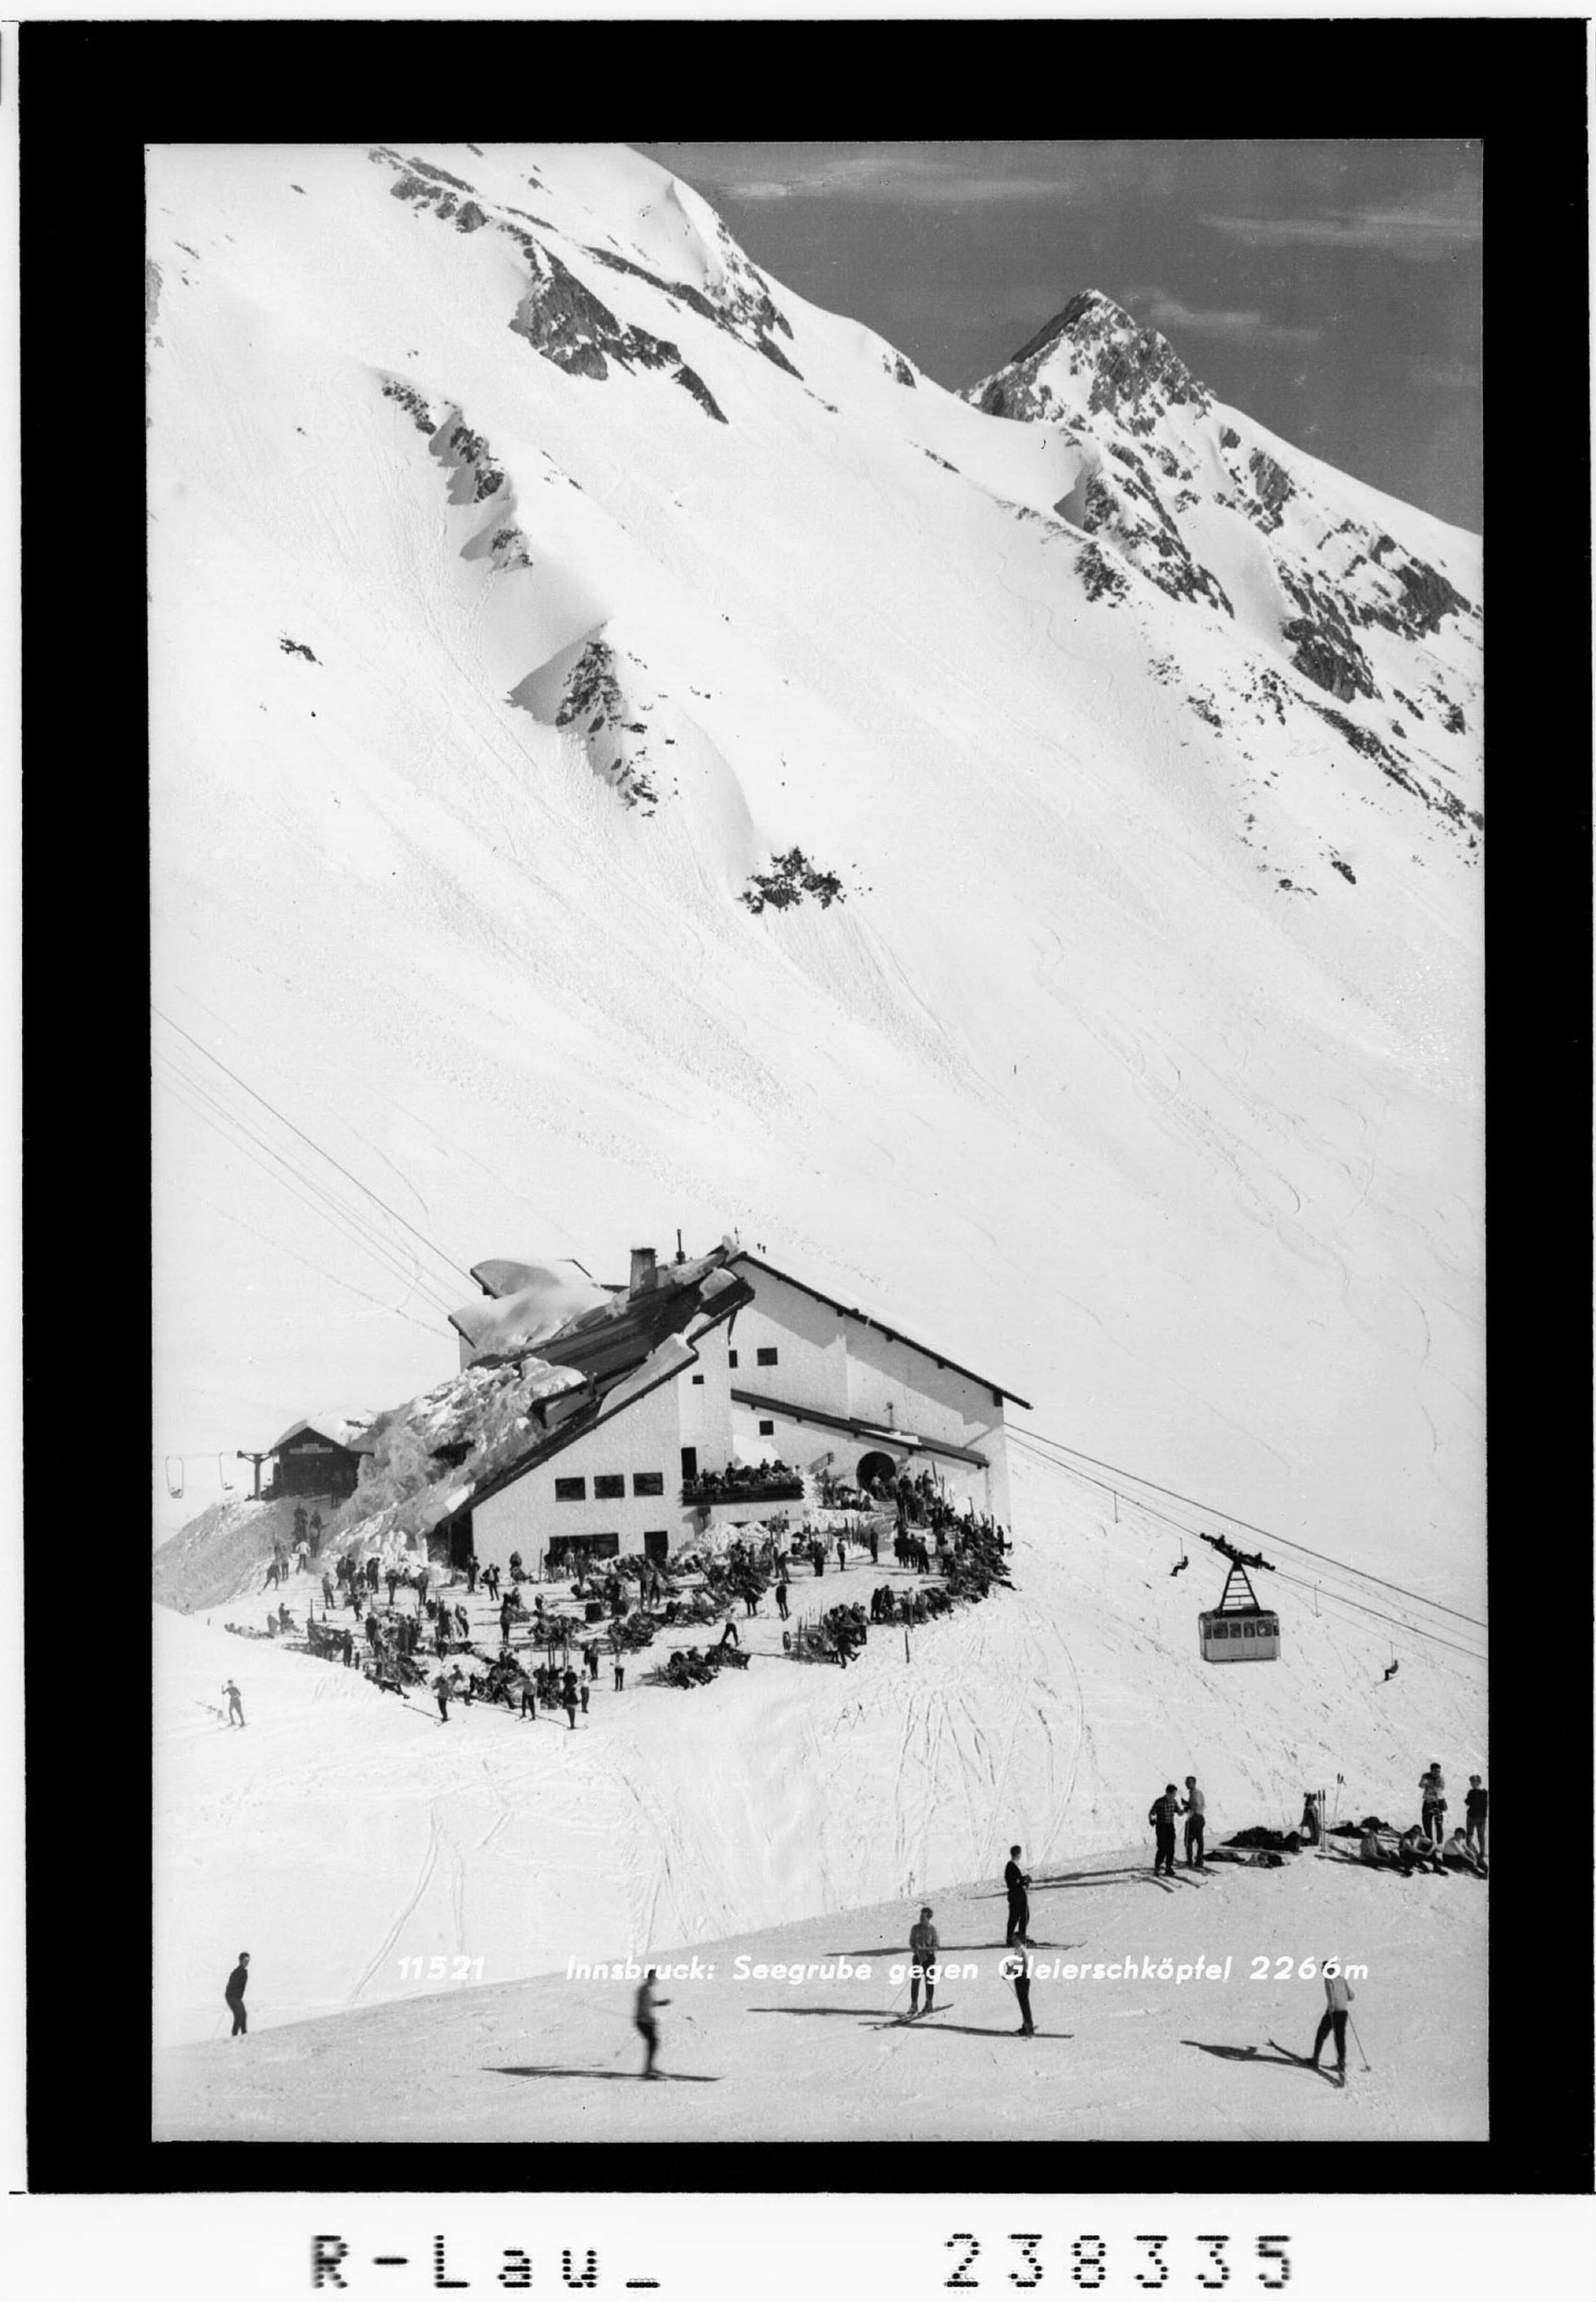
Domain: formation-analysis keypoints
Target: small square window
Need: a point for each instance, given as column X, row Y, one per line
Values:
column 609, row 1485
column 766, row 1431
column 698, row 1378
column 731, row 1359
column 765, row 1355
column 647, row 1482
column 570, row 1491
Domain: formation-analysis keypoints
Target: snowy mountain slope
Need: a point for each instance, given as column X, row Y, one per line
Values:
column 341, row 1830
column 1154, row 2053
column 1138, row 1062
column 1099, row 1069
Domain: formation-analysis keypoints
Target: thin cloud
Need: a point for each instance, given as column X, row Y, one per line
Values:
column 908, row 176
column 1427, row 374
column 1416, row 233
column 1167, row 312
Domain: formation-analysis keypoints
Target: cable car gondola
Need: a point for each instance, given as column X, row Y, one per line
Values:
column 1239, row 1629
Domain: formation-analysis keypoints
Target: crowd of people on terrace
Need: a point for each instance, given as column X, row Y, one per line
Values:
column 739, row 1482
column 421, row 1627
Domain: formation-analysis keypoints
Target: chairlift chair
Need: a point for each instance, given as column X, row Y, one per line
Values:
column 1238, row 1630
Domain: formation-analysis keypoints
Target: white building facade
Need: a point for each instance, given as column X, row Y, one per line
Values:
column 792, row 1376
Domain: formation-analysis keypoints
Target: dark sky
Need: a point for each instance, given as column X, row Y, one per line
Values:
column 1330, row 289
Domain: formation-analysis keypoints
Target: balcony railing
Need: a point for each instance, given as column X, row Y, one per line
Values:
column 712, row 1487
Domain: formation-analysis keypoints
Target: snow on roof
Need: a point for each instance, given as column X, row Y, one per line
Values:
column 343, row 1430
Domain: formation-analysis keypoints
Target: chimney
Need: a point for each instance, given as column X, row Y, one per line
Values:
column 643, row 1270
column 680, row 1257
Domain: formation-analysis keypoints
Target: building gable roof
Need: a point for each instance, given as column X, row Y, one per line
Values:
column 893, row 1335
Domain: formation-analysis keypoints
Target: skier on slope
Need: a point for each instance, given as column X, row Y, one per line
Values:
column 923, row 1947
column 642, row 2017
column 1195, row 1807
column 1338, row 1994
column 234, row 1995
column 235, row 1704
column 1161, row 1814
column 1016, row 1883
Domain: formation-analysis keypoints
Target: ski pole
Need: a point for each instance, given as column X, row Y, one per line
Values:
column 1352, row 2026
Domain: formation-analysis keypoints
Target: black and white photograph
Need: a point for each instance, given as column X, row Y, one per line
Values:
column 817, row 825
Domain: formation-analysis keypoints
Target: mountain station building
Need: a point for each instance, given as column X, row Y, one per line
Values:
column 753, row 1367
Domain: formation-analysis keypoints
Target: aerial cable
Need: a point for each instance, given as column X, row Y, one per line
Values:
column 365, row 1240
column 431, row 1244
column 1217, row 1511
column 393, row 1308
column 1414, row 1630
column 386, row 1248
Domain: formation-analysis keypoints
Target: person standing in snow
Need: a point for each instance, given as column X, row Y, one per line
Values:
column 1161, row 1814
column 1017, row 1966
column 620, row 1671
column 1476, row 1806
column 302, row 1553
column 235, row 1705
column 583, row 1691
column 234, row 1995
column 842, row 1554
column 1338, row 1994
column 781, row 1588
column 644, row 2010
column 924, row 1944
column 315, row 1531
column 568, row 1695
column 440, row 1689
column 349, row 1649
column 1432, row 1788
column 1016, row 1883
column 1195, row 1807
column 470, row 1575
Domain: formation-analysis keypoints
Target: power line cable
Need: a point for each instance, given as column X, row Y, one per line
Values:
column 431, row 1244
column 1215, row 1510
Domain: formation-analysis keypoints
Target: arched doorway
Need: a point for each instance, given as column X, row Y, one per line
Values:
column 875, row 1466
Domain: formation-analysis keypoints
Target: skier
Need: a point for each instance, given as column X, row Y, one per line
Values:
column 568, row 1696
column 1392, row 1672
column 328, row 1596
column 470, row 1575
column 273, row 1572
column 301, row 1519
column 440, row 1689
column 349, row 1649
column 621, row 1672
column 234, row 1995
column 1337, row 1994
column 781, row 1588
column 1476, row 1807
column 1161, row 1814
column 923, row 1946
column 583, row 1691
column 643, row 2014
column 1432, row 1786
column 235, row 1705
column 1195, row 1807
column 315, row 1531
column 1309, row 1824
column 1017, row 1966
column 842, row 1555
column 1016, row 1882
